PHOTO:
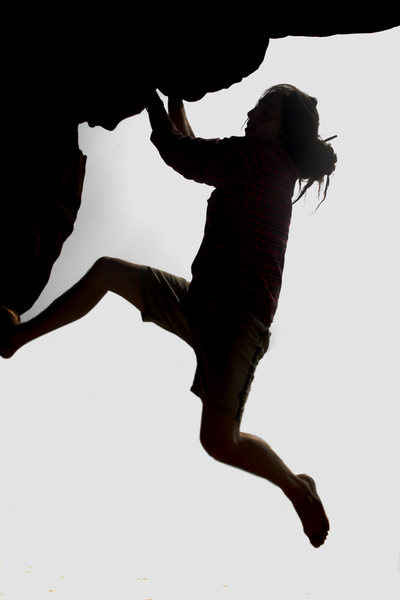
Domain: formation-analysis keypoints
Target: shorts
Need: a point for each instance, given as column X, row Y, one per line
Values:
column 227, row 346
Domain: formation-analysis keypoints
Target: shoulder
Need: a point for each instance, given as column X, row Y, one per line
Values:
column 241, row 145
column 259, row 150
column 253, row 144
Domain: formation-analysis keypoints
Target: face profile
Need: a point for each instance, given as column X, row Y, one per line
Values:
column 265, row 120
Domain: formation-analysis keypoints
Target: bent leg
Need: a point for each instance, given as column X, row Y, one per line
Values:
column 107, row 274
column 221, row 437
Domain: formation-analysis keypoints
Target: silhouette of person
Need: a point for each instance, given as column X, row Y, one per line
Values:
column 225, row 312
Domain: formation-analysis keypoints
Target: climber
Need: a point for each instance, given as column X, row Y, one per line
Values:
column 225, row 312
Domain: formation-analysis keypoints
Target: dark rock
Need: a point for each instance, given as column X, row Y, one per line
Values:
column 43, row 195
column 75, row 68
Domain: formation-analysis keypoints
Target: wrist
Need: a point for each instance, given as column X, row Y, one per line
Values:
column 173, row 100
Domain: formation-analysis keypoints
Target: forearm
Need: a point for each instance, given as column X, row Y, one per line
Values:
column 194, row 158
column 158, row 116
column 165, row 135
column 178, row 116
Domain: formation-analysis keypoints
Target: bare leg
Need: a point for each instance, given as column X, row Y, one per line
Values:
column 222, row 439
column 107, row 274
column 254, row 455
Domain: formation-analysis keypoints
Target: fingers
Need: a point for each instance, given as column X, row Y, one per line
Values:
column 153, row 99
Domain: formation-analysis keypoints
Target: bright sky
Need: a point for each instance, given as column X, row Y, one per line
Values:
column 106, row 491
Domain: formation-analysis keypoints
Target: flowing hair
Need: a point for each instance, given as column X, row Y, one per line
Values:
column 314, row 158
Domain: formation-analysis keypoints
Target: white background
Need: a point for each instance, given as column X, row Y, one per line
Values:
column 105, row 490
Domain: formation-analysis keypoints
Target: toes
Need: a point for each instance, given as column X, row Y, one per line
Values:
column 317, row 540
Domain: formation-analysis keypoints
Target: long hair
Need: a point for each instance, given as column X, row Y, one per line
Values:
column 314, row 158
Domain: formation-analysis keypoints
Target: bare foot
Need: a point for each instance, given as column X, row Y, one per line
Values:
column 309, row 507
column 9, row 321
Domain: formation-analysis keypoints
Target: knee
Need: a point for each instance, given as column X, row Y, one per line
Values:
column 102, row 263
column 101, row 268
column 220, row 448
column 219, row 433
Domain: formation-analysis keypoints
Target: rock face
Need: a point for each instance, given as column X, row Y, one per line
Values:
column 74, row 69
column 43, row 194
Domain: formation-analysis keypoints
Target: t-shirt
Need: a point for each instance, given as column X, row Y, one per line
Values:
column 240, row 262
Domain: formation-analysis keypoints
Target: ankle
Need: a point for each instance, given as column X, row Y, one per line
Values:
column 294, row 486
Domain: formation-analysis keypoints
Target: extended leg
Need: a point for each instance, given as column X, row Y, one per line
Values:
column 222, row 439
column 107, row 274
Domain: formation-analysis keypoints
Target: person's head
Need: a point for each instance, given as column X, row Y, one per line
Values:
column 286, row 116
column 265, row 120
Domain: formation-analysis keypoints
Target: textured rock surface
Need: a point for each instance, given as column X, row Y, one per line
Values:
column 72, row 69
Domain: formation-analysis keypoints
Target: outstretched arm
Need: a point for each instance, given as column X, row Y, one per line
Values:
column 177, row 113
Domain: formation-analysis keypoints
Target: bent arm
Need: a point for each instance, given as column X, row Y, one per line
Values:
column 211, row 161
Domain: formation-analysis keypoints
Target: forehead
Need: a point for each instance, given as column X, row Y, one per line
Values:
column 271, row 100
